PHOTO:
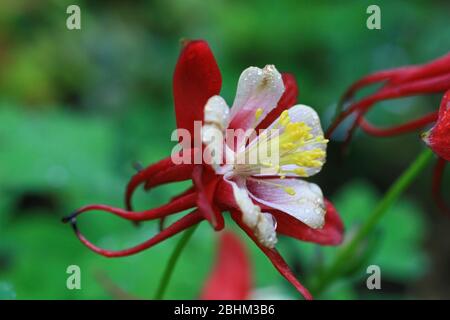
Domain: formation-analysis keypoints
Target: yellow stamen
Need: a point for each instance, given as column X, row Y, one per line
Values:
column 300, row 171
column 290, row 191
column 292, row 143
column 284, row 118
column 258, row 113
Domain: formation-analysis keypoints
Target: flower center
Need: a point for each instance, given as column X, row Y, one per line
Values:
column 284, row 148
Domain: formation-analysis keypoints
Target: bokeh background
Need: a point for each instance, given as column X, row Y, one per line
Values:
column 77, row 108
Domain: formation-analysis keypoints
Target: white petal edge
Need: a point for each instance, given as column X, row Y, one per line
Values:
column 262, row 224
column 306, row 205
column 217, row 112
column 257, row 89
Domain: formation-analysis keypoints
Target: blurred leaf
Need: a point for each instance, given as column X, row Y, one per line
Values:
column 6, row 291
column 398, row 248
column 401, row 233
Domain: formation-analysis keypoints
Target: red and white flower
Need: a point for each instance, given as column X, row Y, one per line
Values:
column 265, row 199
column 300, row 152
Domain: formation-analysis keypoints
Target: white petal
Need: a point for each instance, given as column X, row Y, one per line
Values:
column 212, row 138
column 298, row 198
column 306, row 114
column 257, row 94
column 262, row 224
column 217, row 112
column 250, row 211
column 265, row 230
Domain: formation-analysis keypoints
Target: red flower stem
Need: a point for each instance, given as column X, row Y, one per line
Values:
column 347, row 252
column 400, row 75
column 182, row 203
column 180, row 172
column 142, row 176
column 404, row 128
column 380, row 132
column 178, row 226
column 421, row 86
column 434, row 68
column 371, row 79
column 164, row 171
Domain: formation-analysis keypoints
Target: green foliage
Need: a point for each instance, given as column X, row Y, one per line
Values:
column 397, row 245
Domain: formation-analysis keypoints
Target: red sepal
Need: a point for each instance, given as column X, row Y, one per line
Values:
column 205, row 182
column 184, row 223
column 196, row 79
column 439, row 136
column 332, row 232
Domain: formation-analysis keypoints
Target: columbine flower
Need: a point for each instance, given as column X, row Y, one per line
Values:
column 301, row 154
column 438, row 138
column 264, row 198
column 432, row 77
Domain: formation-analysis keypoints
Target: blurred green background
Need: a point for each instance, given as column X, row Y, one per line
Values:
column 78, row 107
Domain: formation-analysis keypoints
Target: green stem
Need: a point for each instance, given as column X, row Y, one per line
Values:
column 347, row 252
column 173, row 261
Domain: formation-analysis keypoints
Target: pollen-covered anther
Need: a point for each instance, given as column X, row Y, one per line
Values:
column 295, row 141
column 258, row 113
column 425, row 137
column 309, row 158
column 290, row 191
